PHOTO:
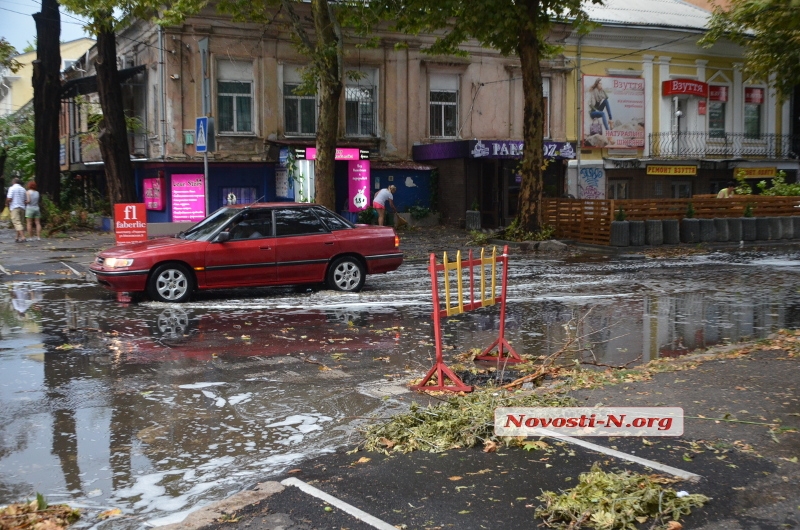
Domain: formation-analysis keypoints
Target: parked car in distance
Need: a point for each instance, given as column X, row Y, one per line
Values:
column 251, row 246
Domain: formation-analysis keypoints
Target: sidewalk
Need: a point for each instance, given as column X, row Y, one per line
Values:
column 750, row 472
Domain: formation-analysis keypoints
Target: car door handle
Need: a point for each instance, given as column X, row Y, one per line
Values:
column 265, row 248
column 329, row 242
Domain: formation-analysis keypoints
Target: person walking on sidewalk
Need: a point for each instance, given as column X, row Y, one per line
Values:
column 33, row 213
column 16, row 204
column 386, row 194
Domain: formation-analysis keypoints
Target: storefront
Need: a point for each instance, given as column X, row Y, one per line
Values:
column 483, row 174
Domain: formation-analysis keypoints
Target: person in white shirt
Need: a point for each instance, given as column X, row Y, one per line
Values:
column 16, row 204
column 386, row 194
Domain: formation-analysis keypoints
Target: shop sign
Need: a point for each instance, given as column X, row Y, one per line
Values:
column 718, row 93
column 516, row 149
column 358, row 173
column 341, row 154
column 755, row 172
column 130, row 223
column 701, row 107
column 614, row 112
column 188, row 198
column 754, row 96
column 672, row 170
column 153, row 193
column 689, row 87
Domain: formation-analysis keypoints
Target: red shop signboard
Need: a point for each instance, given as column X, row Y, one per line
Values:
column 754, row 96
column 689, row 87
column 718, row 93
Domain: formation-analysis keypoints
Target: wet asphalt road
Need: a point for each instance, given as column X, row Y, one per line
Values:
column 401, row 491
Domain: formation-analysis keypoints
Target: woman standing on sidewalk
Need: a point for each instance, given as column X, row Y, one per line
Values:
column 32, row 211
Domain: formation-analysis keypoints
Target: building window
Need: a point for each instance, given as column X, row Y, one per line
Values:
column 753, row 108
column 617, row 189
column 546, row 102
column 235, row 97
column 299, row 111
column 360, row 98
column 444, row 106
column 717, row 117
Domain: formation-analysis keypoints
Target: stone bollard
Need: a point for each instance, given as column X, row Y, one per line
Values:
column 637, row 233
column 690, row 230
column 473, row 220
column 654, row 232
column 671, row 231
column 787, row 228
column 734, row 228
column 721, row 227
column 763, row 232
column 749, row 231
column 796, row 224
column 620, row 234
column 708, row 232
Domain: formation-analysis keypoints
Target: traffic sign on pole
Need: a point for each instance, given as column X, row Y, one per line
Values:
column 201, row 135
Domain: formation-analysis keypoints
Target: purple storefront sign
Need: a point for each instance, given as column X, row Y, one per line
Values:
column 489, row 149
column 188, row 198
column 358, row 177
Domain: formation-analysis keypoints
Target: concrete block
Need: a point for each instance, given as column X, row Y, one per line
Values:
column 749, row 229
column 671, row 230
column 637, row 233
column 690, row 230
column 473, row 220
column 775, row 228
column 763, row 229
column 620, row 234
column 654, row 232
column 787, row 228
column 796, row 224
column 708, row 232
column 721, row 227
column 734, row 228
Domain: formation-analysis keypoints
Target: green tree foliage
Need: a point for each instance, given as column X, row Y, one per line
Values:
column 513, row 28
column 769, row 30
column 779, row 187
column 17, row 152
column 7, row 53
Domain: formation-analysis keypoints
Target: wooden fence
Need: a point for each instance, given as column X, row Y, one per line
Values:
column 589, row 220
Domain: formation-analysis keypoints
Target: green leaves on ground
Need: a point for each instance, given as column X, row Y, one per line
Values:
column 610, row 501
column 461, row 421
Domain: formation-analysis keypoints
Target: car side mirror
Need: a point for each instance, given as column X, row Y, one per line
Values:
column 222, row 237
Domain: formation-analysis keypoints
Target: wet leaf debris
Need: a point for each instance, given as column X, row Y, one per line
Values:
column 37, row 515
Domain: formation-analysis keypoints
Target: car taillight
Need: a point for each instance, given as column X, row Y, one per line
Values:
column 396, row 241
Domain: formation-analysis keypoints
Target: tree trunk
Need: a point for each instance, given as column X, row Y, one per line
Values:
column 530, row 193
column 330, row 94
column 113, row 137
column 47, row 99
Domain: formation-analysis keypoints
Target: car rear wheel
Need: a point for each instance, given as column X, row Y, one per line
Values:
column 171, row 282
column 346, row 274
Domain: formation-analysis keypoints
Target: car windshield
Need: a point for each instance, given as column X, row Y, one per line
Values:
column 208, row 227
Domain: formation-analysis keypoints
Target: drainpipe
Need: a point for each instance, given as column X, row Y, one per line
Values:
column 578, row 116
column 162, row 92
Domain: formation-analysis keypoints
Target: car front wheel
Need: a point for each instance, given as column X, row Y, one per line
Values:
column 346, row 274
column 170, row 282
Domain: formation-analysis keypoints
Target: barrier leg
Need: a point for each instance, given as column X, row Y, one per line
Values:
column 442, row 373
column 512, row 356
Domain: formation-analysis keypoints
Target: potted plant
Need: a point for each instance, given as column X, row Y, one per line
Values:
column 749, row 224
column 620, row 230
column 690, row 227
column 473, row 218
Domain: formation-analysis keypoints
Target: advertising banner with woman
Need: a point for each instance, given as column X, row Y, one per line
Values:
column 613, row 115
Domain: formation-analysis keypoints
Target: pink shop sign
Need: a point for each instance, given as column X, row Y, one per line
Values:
column 188, row 198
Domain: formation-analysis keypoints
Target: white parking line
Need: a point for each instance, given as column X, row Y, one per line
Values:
column 76, row 273
column 674, row 471
column 333, row 501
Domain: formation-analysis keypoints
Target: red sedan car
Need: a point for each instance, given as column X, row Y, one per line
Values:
column 249, row 246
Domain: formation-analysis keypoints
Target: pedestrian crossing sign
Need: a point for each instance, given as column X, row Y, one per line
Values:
column 201, row 135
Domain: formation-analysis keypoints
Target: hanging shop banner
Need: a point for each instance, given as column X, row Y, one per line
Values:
column 358, row 177
column 613, row 112
column 341, row 154
column 188, row 198
column 130, row 223
column 756, row 172
column 153, row 193
column 684, row 87
column 672, row 170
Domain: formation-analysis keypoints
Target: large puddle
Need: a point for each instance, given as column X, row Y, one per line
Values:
column 158, row 409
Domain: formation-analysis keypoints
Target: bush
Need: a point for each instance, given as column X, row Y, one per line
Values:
column 74, row 217
column 690, row 211
column 368, row 216
column 419, row 212
column 620, row 215
column 514, row 232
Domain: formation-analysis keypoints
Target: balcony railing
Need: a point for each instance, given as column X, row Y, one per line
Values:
column 700, row 145
column 84, row 147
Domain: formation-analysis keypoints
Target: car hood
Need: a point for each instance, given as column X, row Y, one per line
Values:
column 149, row 245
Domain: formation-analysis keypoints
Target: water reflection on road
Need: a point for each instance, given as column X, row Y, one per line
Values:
column 158, row 409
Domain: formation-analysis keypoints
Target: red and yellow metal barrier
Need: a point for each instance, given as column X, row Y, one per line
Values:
column 440, row 373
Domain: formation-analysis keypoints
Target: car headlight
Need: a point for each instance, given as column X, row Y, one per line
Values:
column 115, row 263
